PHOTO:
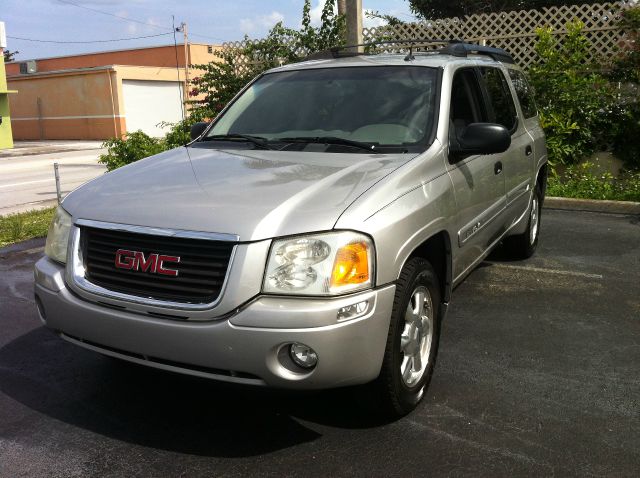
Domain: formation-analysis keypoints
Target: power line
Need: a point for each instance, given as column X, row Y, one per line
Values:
column 113, row 15
column 134, row 20
column 207, row 37
column 89, row 41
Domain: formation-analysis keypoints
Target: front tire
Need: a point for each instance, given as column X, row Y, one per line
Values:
column 412, row 343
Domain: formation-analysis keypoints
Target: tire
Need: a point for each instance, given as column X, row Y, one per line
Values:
column 412, row 343
column 523, row 246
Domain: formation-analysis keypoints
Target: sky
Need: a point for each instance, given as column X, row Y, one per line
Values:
column 212, row 22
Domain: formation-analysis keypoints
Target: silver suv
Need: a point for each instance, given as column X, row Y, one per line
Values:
column 310, row 236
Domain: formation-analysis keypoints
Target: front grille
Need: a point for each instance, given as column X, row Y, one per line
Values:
column 201, row 271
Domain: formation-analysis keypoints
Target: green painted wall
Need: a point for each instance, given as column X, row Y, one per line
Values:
column 6, row 138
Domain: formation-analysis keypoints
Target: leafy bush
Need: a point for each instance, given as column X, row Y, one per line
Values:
column 626, row 145
column 626, row 67
column 626, row 70
column 584, row 181
column 135, row 146
column 582, row 108
column 576, row 101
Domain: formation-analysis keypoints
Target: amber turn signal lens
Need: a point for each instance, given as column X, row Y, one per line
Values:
column 351, row 265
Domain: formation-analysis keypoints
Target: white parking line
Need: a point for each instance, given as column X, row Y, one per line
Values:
column 547, row 271
column 25, row 182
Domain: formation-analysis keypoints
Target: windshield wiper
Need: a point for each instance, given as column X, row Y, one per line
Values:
column 257, row 140
column 330, row 140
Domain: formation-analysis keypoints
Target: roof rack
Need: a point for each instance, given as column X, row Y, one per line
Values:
column 453, row 47
column 462, row 49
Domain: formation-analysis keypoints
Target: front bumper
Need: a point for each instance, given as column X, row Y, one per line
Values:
column 245, row 347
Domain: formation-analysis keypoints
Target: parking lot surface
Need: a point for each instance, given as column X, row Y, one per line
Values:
column 538, row 375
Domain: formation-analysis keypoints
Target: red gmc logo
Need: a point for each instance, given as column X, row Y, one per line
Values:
column 136, row 261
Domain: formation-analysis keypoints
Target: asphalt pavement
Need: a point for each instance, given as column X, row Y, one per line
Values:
column 27, row 179
column 538, row 375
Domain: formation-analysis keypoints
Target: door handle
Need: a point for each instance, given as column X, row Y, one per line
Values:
column 528, row 150
column 497, row 168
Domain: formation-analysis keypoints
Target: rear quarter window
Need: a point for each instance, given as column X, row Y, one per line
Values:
column 524, row 93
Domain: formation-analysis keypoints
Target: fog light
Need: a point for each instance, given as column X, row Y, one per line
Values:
column 303, row 355
column 353, row 311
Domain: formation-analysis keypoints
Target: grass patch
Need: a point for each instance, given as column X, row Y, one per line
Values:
column 25, row 225
column 584, row 181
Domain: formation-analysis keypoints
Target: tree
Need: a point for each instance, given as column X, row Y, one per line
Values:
column 429, row 9
column 577, row 105
column 221, row 80
column 10, row 55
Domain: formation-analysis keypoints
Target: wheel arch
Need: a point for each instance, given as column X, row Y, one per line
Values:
column 437, row 250
column 541, row 180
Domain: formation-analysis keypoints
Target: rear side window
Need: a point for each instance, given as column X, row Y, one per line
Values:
column 524, row 93
column 502, row 106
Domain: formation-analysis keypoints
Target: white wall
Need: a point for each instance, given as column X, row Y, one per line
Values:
column 148, row 103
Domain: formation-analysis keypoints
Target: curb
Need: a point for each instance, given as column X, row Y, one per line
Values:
column 31, row 206
column 29, row 244
column 592, row 205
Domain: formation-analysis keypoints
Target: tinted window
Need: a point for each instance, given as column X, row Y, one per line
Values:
column 524, row 92
column 504, row 110
column 388, row 105
column 466, row 99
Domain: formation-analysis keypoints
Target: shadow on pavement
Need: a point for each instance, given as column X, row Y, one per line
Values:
column 164, row 410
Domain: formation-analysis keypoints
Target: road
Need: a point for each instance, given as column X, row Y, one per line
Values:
column 538, row 375
column 27, row 179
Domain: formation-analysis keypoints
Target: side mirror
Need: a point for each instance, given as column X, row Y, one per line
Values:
column 197, row 129
column 480, row 138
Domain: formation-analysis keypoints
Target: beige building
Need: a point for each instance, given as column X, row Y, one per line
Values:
column 101, row 95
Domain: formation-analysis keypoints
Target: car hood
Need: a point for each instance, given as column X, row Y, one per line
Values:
column 254, row 194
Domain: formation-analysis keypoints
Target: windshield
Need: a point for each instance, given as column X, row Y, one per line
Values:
column 381, row 105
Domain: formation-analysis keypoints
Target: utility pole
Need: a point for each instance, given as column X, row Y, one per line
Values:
column 183, row 28
column 354, row 23
column 342, row 7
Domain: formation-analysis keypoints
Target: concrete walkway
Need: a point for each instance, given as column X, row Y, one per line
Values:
column 26, row 172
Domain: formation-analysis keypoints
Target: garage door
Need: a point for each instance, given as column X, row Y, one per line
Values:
column 147, row 103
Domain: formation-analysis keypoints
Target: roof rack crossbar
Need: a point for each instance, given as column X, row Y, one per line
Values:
column 454, row 47
column 351, row 50
column 463, row 49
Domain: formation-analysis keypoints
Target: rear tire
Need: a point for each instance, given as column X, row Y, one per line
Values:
column 412, row 343
column 523, row 246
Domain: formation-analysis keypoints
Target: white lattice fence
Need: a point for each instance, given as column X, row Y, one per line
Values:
column 514, row 31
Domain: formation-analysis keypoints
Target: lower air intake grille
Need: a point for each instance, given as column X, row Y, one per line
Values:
column 174, row 269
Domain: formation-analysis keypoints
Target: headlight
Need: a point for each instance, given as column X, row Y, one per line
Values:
column 58, row 236
column 320, row 264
